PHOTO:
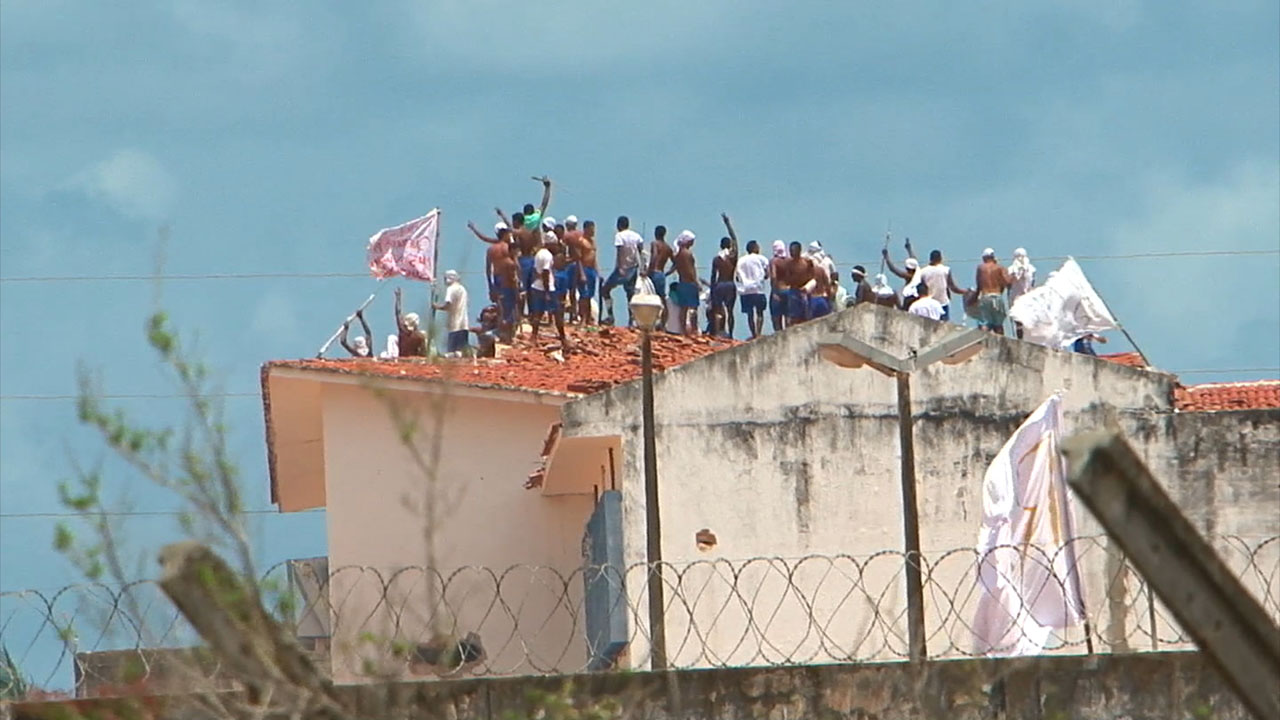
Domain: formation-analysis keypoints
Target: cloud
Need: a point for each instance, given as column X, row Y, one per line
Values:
column 132, row 182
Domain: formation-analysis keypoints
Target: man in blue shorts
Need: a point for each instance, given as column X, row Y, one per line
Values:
column 626, row 267
column 723, row 291
column 778, row 286
column 749, row 279
column 685, row 291
column 542, row 298
column 799, row 271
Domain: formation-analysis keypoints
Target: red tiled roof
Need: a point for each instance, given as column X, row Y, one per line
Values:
column 1128, row 359
column 602, row 357
column 1256, row 395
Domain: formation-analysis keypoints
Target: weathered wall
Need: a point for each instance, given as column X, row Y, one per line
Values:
column 781, row 453
column 1153, row 686
column 1134, row 687
column 485, row 522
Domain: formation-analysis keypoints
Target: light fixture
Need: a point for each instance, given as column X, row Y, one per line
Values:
column 646, row 310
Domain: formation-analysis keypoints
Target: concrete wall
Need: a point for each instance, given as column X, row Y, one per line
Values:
column 484, row 523
column 782, row 454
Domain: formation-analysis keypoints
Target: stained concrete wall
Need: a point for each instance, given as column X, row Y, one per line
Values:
column 782, row 454
column 485, row 522
column 1133, row 687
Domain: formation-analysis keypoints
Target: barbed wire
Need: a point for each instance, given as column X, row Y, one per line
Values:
column 184, row 277
column 526, row 619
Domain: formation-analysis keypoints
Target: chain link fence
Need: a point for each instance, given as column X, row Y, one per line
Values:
column 363, row 623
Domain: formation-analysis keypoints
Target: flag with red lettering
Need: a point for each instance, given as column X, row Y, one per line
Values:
column 408, row 250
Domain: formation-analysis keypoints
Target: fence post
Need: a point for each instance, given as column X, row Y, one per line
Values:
column 1207, row 599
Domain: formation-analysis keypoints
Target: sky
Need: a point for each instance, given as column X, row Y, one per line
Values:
column 275, row 138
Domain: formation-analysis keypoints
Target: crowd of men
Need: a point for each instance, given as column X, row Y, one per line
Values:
column 541, row 271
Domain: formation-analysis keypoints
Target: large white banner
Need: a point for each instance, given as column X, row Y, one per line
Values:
column 408, row 249
column 1028, row 582
column 1062, row 310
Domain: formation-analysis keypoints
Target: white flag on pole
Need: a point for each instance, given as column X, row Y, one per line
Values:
column 1062, row 310
column 1028, row 582
column 408, row 249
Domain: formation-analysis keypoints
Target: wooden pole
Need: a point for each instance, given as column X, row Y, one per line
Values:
column 917, row 650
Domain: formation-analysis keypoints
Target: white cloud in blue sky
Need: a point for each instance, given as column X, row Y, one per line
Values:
column 276, row 137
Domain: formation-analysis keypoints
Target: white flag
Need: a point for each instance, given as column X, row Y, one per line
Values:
column 1062, row 310
column 408, row 249
column 1028, row 582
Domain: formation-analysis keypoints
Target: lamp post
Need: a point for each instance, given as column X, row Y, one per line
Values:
column 850, row 352
column 646, row 310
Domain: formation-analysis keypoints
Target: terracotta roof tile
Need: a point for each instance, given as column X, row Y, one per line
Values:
column 1128, row 359
column 1256, row 395
column 603, row 357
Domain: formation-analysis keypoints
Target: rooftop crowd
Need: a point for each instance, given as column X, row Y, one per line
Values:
column 541, row 271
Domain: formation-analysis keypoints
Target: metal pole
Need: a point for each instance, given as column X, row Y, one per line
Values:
column 910, row 524
column 653, row 521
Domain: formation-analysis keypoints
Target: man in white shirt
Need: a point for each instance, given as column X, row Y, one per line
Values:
column 749, row 277
column 926, row 305
column 628, row 244
column 542, row 294
column 938, row 277
column 455, row 307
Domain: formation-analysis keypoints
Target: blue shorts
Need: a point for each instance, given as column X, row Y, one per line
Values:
column 819, row 306
column 526, row 272
column 777, row 304
column 797, row 308
column 659, row 280
column 562, row 282
column 627, row 279
column 752, row 303
column 685, row 294
column 508, row 303
column 456, row 341
column 946, row 312
column 587, row 288
column 541, row 301
column 723, row 295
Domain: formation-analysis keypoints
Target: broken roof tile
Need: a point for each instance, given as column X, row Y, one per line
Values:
column 602, row 358
column 1255, row 395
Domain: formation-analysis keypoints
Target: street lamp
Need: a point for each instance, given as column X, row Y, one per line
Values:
column 850, row 352
column 646, row 310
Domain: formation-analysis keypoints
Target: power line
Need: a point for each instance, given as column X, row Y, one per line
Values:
column 337, row 275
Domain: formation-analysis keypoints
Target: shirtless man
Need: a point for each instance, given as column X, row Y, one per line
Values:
column 819, row 291
column 723, row 292
column 560, row 263
column 992, row 280
column 798, row 271
column 584, row 273
column 778, row 286
column 660, row 253
column 570, row 235
column 412, row 340
column 862, row 293
column 361, row 347
column 498, row 248
column 488, row 331
column 685, row 290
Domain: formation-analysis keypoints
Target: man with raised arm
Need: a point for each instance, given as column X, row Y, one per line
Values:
column 628, row 244
column 362, row 347
column 411, row 340
column 723, row 291
column 910, row 273
column 499, row 247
